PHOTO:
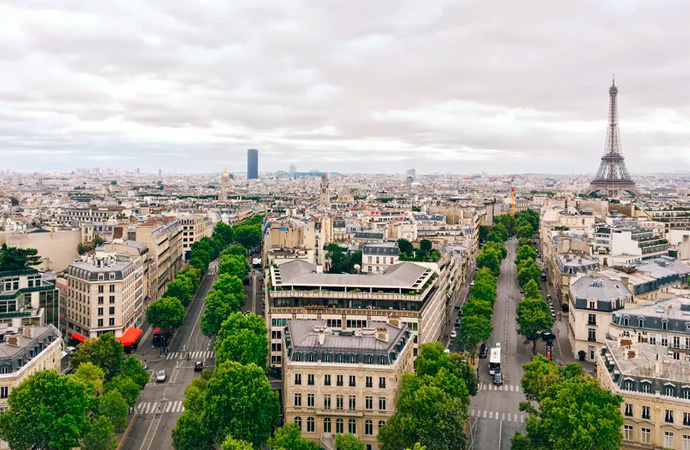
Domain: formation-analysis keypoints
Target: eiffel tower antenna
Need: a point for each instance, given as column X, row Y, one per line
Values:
column 612, row 177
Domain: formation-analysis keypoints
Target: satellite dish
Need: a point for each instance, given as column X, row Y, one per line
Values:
column 357, row 267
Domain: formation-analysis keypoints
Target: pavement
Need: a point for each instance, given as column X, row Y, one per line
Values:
column 160, row 404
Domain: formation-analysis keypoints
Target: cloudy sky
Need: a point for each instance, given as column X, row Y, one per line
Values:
column 352, row 86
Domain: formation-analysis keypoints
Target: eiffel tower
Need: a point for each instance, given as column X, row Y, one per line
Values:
column 612, row 177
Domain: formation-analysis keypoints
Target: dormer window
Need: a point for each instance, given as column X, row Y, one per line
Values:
column 664, row 325
column 646, row 387
column 626, row 321
column 628, row 385
column 297, row 357
column 640, row 322
column 669, row 390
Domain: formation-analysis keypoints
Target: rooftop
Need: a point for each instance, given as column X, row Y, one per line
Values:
column 647, row 361
column 600, row 288
column 29, row 337
column 388, row 249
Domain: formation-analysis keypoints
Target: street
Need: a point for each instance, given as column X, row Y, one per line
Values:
column 494, row 413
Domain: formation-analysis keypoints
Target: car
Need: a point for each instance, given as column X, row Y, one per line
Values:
column 161, row 376
column 472, row 283
column 498, row 378
column 483, row 351
column 198, row 366
column 71, row 350
column 446, row 351
column 453, row 334
column 460, row 313
column 522, row 291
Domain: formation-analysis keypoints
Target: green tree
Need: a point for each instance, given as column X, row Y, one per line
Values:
column 113, row 406
column 489, row 260
column 524, row 231
column 233, row 444
column 167, row 312
column 240, row 403
column 348, row 442
column 125, row 386
column 525, row 241
column 46, row 410
column 92, row 376
column 105, row 352
column 484, row 291
column 134, row 369
column 432, row 360
column 483, row 232
column 525, row 252
column 224, row 232
column 243, row 338
column 248, row 236
column 425, row 246
column 501, row 232
column 405, row 247
column 473, row 330
column 417, row 446
column 233, row 265
column 235, row 250
column 496, row 247
column 229, row 285
column 539, row 378
column 476, row 307
column 532, row 290
column 181, row 289
column 190, row 433
column 13, row 258
column 533, row 316
column 528, row 270
column 101, row 435
column 289, row 436
column 218, row 308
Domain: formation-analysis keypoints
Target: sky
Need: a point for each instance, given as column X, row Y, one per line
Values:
column 349, row 86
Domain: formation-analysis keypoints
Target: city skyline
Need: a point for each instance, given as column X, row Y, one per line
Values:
column 446, row 89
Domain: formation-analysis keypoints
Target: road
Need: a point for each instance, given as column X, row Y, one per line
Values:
column 494, row 412
column 160, row 404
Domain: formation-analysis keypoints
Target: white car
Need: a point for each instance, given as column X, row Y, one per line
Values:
column 453, row 334
column 161, row 376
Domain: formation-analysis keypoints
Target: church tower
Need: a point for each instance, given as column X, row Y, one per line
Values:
column 224, row 186
column 325, row 196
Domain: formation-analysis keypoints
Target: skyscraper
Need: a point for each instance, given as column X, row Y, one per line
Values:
column 252, row 164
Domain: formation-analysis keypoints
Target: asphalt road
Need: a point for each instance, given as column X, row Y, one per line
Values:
column 160, row 404
column 494, row 412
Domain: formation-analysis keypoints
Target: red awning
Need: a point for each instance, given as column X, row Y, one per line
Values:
column 78, row 337
column 130, row 336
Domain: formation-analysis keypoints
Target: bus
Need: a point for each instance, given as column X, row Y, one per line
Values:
column 495, row 360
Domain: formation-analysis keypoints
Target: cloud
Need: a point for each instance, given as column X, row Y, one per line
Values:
column 347, row 86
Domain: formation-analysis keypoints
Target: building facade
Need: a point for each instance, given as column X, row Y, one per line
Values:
column 28, row 297
column 252, row 164
column 378, row 257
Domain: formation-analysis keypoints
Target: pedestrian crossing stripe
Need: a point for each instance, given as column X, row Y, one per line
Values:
column 197, row 355
column 498, row 415
column 503, row 387
column 160, row 407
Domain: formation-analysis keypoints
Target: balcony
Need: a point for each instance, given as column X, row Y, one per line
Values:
column 318, row 310
column 350, row 295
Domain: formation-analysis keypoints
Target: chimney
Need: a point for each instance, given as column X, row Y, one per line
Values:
column 321, row 332
column 29, row 331
column 382, row 334
column 12, row 340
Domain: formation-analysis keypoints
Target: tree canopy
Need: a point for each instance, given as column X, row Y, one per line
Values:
column 105, row 352
column 533, row 316
column 243, row 338
column 348, row 442
column 289, row 437
column 13, row 258
column 168, row 312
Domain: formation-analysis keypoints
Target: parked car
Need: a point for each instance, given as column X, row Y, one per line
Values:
column 498, row 378
column 471, row 283
column 483, row 351
column 198, row 366
column 453, row 334
column 161, row 376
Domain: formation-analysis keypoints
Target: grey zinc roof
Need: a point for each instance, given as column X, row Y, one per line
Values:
column 650, row 363
column 603, row 289
column 675, row 312
column 8, row 352
column 663, row 267
column 380, row 249
column 301, row 273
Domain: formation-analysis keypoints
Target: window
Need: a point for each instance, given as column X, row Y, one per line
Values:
column 370, row 382
column 676, row 341
column 628, row 409
column 592, row 335
column 664, row 341
column 668, row 439
column 645, row 412
column 111, row 310
column 4, row 391
column 339, row 380
column 668, row 390
column 111, row 322
column 339, row 402
column 327, row 357
column 686, row 442
column 369, row 402
column 339, row 426
column 381, row 424
column 100, row 322
column 368, row 427
column 100, row 311
column 276, row 347
column 100, row 289
column 327, row 425
column 352, row 404
column 686, row 394
column 592, row 319
column 686, row 419
column 628, row 432
column 298, row 422
column 112, row 288
column 310, row 425
column 640, row 322
column 276, row 334
column 310, row 379
column 326, row 380
column 382, row 382
column 382, row 403
column 353, row 380
column 298, row 378
column 100, row 299
column 645, row 435
column 352, row 426
column 668, row 417
column 646, row 388
column 112, row 299
column 327, row 401
column 298, row 400
column 626, row 321
column 310, row 400
column 664, row 327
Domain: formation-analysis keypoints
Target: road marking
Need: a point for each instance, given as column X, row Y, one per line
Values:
column 500, row 432
column 485, row 414
column 503, row 416
column 160, row 418
column 491, row 414
column 472, row 413
column 522, row 418
column 168, row 406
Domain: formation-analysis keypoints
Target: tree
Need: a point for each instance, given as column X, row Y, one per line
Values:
column 348, row 442
column 474, row 330
column 532, row 290
column 240, row 403
column 190, row 433
column 167, row 312
column 539, row 378
column 489, row 260
column 476, row 307
column 134, row 369
column 483, row 232
column 235, row 250
column 289, row 436
column 224, row 232
column 234, row 265
column 528, row 270
column 417, row 446
column 113, row 406
column 496, row 247
column 105, row 352
column 425, row 246
column 101, row 435
column 525, row 252
column 13, row 258
column 243, row 338
column 229, row 285
column 432, row 359
column 524, row 231
column 405, row 247
column 46, row 410
column 525, row 241
column 233, row 444
column 218, row 308
column 125, row 386
column 533, row 317
column 181, row 289
column 92, row 376
column 248, row 236
column 501, row 232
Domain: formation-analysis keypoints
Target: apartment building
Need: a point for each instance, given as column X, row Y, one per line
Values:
column 337, row 381
column 665, row 324
column 405, row 293
column 378, row 257
column 134, row 250
column 75, row 217
column 28, row 297
column 592, row 300
column 655, row 391
column 194, row 228
column 627, row 242
column 650, row 280
column 104, row 295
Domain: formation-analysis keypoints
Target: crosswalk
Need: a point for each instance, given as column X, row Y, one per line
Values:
column 497, row 415
column 176, row 407
column 194, row 356
column 504, row 387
